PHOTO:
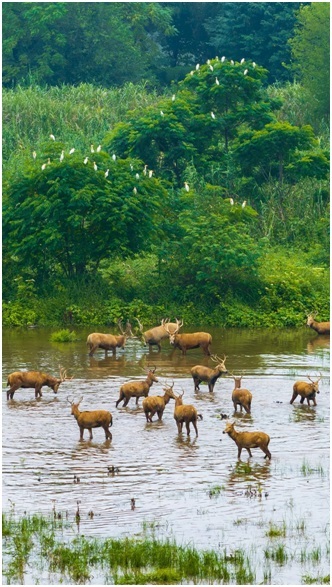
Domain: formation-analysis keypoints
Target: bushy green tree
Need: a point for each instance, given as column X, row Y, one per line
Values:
column 67, row 214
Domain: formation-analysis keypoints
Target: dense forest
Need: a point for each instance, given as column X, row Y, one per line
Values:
column 165, row 159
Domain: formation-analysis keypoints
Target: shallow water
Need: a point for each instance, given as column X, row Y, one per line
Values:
column 190, row 488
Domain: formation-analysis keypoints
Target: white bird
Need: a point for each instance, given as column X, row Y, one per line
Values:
column 192, row 72
column 131, row 167
column 197, row 67
column 92, row 149
column 137, row 175
column 34, row 154
column 62, row 155
column 95, row 167
column 217, row 81
column 43, row 166
column 245, row 72
column 107, row 172
column 213, row 115
column 244, row 204
column 145, row 169
column 161, row 113
column 223, row 59
column 98, row 148
column 232, row 62
column 253, row 64
column 114, row 156
column 135, row 190
column 231, row 201
column 71, row 151
column 150, row 172
column 186, row 186
column 211, row 67
column 52, row 137
column 86, row 160
column 242, row 60
column 208, row 62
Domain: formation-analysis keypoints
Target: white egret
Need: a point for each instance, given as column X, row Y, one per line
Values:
column 173, row 97
column 213, row 115
column 52, row 137
column 197, row 67
column 211, row 67
column 145, row 169
column 253, row 64
column 114, row 156
column 98, row 148
column 192, row 72
column 150, row 172
column 242, row 60
column 92, row 149
column 135, row 190
column 161, row 113
column 107, row 172
column 131, row 167
column 232, row 62
column 244, row 204
column 43, row 166
column 231, row 201
column 245, row 72
column 208, row 62
column 71, row 151
column 95, row 167
column 137, row 175
column 217, row 81
column 186, row 186
column 34, row 154
column 62, row 155
column 86, row 160
column 223, row 59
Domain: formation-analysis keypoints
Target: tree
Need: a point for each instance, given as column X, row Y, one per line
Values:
column 310, row 48
column 71, row 216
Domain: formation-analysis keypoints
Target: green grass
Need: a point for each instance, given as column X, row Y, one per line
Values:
column 275, row 531
column 63, row 336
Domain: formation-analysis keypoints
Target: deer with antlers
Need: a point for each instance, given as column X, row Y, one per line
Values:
column 154, row 336
column 137, row 388
column 91, row 419
column 188, row 341
column 319, row 327
column 200, row 373
column 306, row 390
column 36, row 380
column 108, row 342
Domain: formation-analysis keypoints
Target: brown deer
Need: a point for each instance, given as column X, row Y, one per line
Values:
column 306, row 391
column 185, row 414
column 186, row 342
column 136, row 388
column 241, row 396
column 94, row 419
column 155, row 404
column 34, row 379
column 248, row 440
column 200, row 373
column 154, row 336
column 320, row 327
column 108, row 342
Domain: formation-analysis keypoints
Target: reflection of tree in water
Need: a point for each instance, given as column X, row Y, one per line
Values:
column 110, row 362
column 246, row 472
column 318, row 342
column 302, row 413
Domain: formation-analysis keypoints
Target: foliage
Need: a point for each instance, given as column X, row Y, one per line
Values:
column 64, row 335
column 310, row 48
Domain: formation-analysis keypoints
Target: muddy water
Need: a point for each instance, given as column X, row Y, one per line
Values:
column 193, row 489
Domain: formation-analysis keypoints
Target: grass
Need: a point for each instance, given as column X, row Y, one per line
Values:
column 64, row 335
column 308, row 580
column 307, row 470
column 277, row 554
column 275, row 531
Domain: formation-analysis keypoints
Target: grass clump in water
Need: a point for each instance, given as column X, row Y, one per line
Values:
column 275, row 531
column 64, row 335
column 308, row 580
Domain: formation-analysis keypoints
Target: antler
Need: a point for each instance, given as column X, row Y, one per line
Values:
column 139, row 324
column 63, row 374
column 218, row 359
column 150, row 369
column 120, row 325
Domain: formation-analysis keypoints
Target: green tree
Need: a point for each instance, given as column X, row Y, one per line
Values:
column 310, row 48
column 70, row 216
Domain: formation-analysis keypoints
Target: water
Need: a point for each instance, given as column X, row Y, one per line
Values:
column 192, row 489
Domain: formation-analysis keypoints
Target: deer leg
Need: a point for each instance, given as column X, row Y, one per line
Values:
column 81, row 432
column 294, row 396
column 302, row 400
column 195, row 426
column 249, row 451
column 179, row 427
column 108, row 434
column 126, row 401
column 11, row 391
column 239, row 452
column 91, row 437
column 188, row 428
column 267, row 453
column 38, row 391
column 92, row 350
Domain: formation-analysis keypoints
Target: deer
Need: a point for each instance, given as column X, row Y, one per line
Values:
column 36, row 380
column 320, row 327
column 136, row 388
column 248, row 440
column 306, row 391
column 94, row 419
column 155, row 404
column 154, row 336
column 241, row 396
column 185, row 414
column 200, row 373
column 194, row 340
column 108, row 342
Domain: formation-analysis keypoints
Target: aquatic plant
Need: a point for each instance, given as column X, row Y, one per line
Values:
column 64, row 335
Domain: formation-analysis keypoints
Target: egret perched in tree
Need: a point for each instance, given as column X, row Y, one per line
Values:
column 34, row 154
column 135, row 190
column 107, row 172
column 86, row 160
column 242, row 60
column 211, row 67
column 92, row 149
column 62, row 155
column 145, row 169
column 197, row 67
column 161, row 113
column 150, row 172
column 217, row 81
column 71, row 151
column 223, row 59
column 208, row 62
column 231, row 201
column 98, row 148
column 43, row 166
column 232, row 62
column 213, row 115
column 173, row 97
column 95, row 167
column 137, row 175
column 186, row 186
column 245, row 72
column 114, row 156
column 253, row 64
column 244, row 204
column 131, row 167
column 52, row 137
